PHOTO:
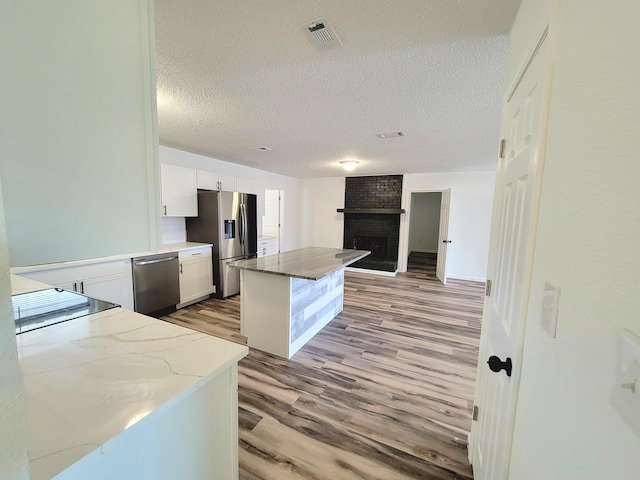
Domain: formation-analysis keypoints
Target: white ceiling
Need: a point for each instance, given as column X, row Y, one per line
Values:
column 237, row 74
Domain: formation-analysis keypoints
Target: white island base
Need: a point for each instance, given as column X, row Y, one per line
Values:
column 285, row 299
column 280, row 314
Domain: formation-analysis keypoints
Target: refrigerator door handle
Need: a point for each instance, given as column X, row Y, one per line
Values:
column 243, row 227
column 246, row 225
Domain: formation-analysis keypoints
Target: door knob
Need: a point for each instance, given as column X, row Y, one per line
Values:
column 446, row 241
column 495, row 364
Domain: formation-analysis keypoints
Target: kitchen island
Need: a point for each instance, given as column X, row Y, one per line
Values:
column 285, row 299
column 121, row 395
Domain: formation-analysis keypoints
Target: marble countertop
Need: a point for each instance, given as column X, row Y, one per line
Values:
column 89, row 379
column 166, row 248
column 176, row 247
column 310, row 263
column 25, row 285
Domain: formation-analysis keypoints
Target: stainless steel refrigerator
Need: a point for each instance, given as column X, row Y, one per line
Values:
column 228, row 220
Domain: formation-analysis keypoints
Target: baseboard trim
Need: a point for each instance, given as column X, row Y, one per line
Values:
column 371, row 272
column 191, row 302
column 469, row 279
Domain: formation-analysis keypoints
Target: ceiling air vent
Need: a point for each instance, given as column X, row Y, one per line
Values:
column 321, row 34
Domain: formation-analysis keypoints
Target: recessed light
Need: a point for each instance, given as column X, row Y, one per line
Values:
column 391, row 135
column 262, row 149
column 349, row 164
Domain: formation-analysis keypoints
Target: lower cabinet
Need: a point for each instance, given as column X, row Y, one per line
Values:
column 196, row 275
column 195, row 438
column 267, row 246
column 110, row 281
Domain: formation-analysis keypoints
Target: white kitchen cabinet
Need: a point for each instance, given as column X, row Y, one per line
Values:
column 207, row 180
column 110, row 280
column 179, row 191
column 227, row 183
column 267, row 246
column 215, row 181
column 245, row 185
column 196, row 275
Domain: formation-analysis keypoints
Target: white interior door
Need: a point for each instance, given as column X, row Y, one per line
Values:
column 512, row 243
column 443, row 236
column 272, row 212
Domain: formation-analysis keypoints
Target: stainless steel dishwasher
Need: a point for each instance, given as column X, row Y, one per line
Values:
column 156, row 282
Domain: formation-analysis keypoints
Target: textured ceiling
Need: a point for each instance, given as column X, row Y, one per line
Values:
column 237, row 74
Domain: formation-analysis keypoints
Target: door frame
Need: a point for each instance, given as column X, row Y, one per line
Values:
column 405, row 224
column 545, row 36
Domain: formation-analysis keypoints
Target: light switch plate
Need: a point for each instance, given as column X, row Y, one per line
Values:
column 625, row 395
column 549, row 315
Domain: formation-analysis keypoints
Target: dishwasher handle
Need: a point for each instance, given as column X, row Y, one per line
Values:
column 159, row 260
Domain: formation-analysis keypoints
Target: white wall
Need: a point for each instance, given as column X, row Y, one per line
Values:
column 260, row 179
column 13, row 436
column 77, row 129
column 424, row 222
column 76, row 155
column 469, row 226
column 469, row 219
column 587, row 243
column 320, row 224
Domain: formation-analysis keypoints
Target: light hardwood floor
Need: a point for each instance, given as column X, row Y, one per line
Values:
column 385, row 391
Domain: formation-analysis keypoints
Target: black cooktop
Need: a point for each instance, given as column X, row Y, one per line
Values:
column 47, row 307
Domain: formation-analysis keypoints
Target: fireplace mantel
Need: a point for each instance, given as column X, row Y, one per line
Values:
column 383, row 211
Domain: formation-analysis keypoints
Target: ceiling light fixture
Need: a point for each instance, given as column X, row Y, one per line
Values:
column 391, row 135
column 349, row 164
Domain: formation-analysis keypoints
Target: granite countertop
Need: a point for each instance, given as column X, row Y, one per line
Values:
column 89, row 379
column 310, row 263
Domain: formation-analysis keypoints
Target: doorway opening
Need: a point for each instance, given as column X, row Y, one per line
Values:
column 424, row 228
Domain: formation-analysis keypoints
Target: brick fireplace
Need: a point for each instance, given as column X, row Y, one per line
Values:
column 372, row 219
column 377, row 244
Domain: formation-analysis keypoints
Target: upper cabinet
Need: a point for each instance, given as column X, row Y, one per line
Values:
column 179, row 191
column 216, row 181
column 207, row 180
column 227, row 183
column 245, row 185
column 180, row 188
